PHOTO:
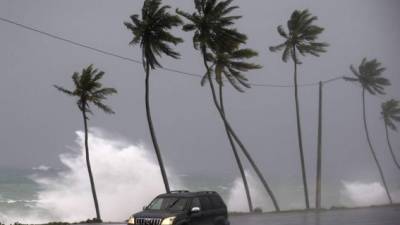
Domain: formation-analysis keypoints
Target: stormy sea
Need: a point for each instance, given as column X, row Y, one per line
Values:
column 127, row 177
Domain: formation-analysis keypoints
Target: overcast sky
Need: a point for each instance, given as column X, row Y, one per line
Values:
column 37, row 123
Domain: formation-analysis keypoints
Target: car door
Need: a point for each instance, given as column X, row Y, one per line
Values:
column 197, row 218
column 207, row 210
column 219, row 213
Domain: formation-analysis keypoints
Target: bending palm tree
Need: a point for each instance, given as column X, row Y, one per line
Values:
column 369, row 75
column 88, row 90
column 230, row 65
column 212, row 30
column 391, row 114
column 301, row 37
column 151, row 33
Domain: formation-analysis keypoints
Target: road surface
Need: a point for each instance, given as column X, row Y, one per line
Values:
column 387, row 215
column 361, row 216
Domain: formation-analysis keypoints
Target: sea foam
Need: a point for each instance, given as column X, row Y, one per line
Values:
column 126, row 176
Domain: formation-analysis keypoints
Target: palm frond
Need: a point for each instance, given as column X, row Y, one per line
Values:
column 282, row 32
column 89, row 90
column 302, row 35
column 391, row 113
column 152, row 32
column 212, row 23
column 65, row 91
column 103, row 107
column 369, row 75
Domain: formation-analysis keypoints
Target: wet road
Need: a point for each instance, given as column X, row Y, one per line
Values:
column 362, row 216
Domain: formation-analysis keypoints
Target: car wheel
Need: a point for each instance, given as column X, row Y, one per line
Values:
column 222, row 222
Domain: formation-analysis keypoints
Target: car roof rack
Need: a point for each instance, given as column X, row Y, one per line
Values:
column 179, row 191
column 207, row 192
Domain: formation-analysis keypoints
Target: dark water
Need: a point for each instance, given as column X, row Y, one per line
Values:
column 361, row 216
column 17, row 190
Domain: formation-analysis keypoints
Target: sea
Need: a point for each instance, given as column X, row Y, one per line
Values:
column 23, row 194
column 43, row 194
column 126, row 177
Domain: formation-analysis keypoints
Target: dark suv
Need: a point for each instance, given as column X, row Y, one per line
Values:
column 183, row 208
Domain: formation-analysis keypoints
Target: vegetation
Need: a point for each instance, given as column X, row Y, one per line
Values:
column 225, row 59
column 151, row 33
column 230, row 66
column 89, row 90
column 213, row 33
column 369, row 76
column 391, row 115
column 301, row 37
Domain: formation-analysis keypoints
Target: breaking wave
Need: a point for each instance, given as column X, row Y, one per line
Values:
column 354, row 194
column 237, row 201
column 126, row 178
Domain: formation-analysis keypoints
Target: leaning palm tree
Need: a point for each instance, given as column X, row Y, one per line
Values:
column 212, row 26
column 301, row 37
column 151, row 33
column 89, row 90
column 391, row 114
column 369, row 76
column 231, row 65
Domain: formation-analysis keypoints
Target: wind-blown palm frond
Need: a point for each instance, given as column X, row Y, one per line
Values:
column 212, row 25
column 231, row 65
column 301, row 36
column 391, row 113
column 369, row 75
column 88, row 89
column 151, row 32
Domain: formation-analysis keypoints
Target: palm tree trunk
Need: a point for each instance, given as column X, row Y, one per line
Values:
column 152, row 132
column 373, row 151
column 259, row 174
column 239, row 163
column 390, row 147
column 303, row 168
column 96, row 204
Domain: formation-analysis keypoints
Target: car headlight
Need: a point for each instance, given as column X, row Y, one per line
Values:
column 168, row 220
column 131, row 220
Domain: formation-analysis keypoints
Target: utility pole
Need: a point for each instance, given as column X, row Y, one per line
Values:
column 319, row 151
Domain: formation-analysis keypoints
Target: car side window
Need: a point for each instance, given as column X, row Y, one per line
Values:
column 216, row 202
column 205, row 203
column 196, row 203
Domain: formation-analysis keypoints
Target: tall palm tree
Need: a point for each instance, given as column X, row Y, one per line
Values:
column 89, row 90
column 212, row 26
column 151, row 33
column 301, row 37
column 391, row 114
column 231, row 65
column 369, row 76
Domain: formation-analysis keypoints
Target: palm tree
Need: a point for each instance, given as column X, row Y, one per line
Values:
column 211, row 24
column 391, row 114
column 151, row 33
column 89, row 90
column 301, row 37
column 369, row 76
column 231, row 66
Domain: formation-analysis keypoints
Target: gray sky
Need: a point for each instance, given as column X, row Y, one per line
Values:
column 37, row 122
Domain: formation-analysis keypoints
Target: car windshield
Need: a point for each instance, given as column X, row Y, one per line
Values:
column 168, row 203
